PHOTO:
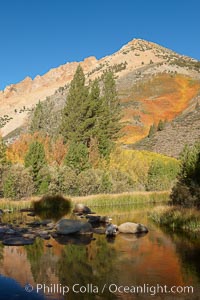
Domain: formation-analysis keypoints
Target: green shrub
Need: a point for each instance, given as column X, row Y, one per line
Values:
column 17, row 183
column 121, row 181
column 106, row 183
column 90, row 182
column 43, row 180
column 63, row 181
column 176, row 218
column 53, row 207
column 161, row 175
column 187, row 190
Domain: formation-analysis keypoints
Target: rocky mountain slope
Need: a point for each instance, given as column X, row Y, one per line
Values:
column 184, row 129
column 153, row 83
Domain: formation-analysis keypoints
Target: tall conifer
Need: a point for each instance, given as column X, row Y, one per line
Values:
column 108, row 125
column 2, row 152
column 36, row 160
column 75, row 121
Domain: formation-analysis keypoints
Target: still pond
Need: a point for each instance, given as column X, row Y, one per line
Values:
column 102, row 268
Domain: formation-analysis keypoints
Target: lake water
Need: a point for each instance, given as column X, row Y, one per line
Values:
column 103, row 268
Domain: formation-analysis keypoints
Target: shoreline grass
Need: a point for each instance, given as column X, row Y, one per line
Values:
column 123, row 198
column 176, row 218
column 96, row 200
column 172, row 217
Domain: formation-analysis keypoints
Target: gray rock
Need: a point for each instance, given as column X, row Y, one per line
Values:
column 81, row 209
column 31, row 214
column 43, row 232
column 99, row 230
column 23, row 230
column 47, row 223
column 29, row 236
column 44, row 235
column 34, row 224
column 130, row 227
column 98, row 219
column 50, row 225
column 10, row 231
column 17, row 241
column 66, row 226
column 7, row 210
column 111, row 230
column 3, row 229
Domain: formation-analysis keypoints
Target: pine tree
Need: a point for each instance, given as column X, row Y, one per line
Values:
column 77, row 157
column 87, row 115
column 3, row 159
column 46, row 118
column 108, row 125
column 111, row 102
column 37, row 122
column 94, row 155
column 152, row 130
column 92, row 112
column 8, row 187
column 75, row 119
column 161, row 125
column 36, row 160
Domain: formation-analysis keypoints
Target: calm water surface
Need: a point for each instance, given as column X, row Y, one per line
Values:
column 157, row 258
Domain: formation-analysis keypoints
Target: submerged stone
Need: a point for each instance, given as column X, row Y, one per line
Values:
column 17, row 241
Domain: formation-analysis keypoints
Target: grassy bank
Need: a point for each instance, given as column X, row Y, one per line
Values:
column 123, row 199
column 176, row 218
column 16, row 204
column 97, row 200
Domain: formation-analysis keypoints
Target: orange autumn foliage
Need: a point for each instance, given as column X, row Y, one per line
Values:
column 54, row 151
column 163, row 97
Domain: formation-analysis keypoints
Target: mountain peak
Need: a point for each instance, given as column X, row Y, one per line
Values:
column 144, row 45
column 132, row 64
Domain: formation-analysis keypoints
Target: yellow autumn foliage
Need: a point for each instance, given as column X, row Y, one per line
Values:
column 137, row 163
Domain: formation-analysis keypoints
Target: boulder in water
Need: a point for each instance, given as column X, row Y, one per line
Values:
column 82, row 209
column 98, row 219
column 130, row 227
column 111, row 230
column 66, row 226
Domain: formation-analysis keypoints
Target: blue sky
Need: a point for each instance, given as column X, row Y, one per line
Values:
column 37, row 35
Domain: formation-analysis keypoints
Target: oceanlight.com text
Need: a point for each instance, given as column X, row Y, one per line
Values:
column 111, row 288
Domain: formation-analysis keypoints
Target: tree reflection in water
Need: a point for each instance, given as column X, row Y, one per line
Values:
column 91, row 264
